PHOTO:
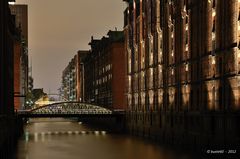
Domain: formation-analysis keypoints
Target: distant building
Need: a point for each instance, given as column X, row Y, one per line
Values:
column 183, row 70
column 30, row 83
column 38, row 93
column 72, row 78
column 105, row 71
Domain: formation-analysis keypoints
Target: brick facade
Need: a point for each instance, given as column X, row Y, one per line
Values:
column 183, row 64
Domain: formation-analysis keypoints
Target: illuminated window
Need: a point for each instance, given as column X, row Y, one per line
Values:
column 238, row 25
column 129, row 83
column 213, row 36
column 143, row 53
column 150, row 82
column 172, row 40
column 184, row 8
column 238, row 54
column 143, row 98
column 160, row 75
column 160, row 97
column 150, row 49
column 213, row 25
column 213, row 13
column 186, row 47
column 129, row 100
column 186, row 67
column 136, row 57
column 151, row 94
column 136, row 98
column 213, row 60
column 172, row 71
column 159, row 45
column 143, row 80
column 151, row 58
column 160, row 68
column 172, row 54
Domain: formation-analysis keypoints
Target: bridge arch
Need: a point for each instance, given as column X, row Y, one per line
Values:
column 70, row 107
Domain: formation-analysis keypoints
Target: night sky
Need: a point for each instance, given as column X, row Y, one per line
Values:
column 59, row 28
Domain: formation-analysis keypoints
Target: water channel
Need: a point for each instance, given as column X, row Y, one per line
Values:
column 69, row 139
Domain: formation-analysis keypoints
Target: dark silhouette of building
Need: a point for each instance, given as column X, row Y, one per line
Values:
column 183, row 63
column 105, row 71
column 8, row 33
column 21, row 19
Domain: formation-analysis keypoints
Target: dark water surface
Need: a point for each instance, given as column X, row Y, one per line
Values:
column 67, row 139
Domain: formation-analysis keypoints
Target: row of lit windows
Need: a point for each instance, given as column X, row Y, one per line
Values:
column 213, row 6
column 186, row 28
column 150, row 76
column 104, row 79
column 150, row 37
column 142, row 97
column 105, row 69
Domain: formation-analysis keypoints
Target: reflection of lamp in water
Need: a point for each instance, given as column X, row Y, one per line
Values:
column 96, row 132
column 36, row 137
column 103, row 132
column 27, row 136
column 83, row 132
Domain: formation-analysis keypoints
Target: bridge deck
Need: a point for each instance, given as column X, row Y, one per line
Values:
column 70, row 109
column 70, row 115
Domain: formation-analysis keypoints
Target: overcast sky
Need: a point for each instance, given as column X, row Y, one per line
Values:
column 59, row 28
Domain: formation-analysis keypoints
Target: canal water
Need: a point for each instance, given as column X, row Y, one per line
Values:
column 69, row 139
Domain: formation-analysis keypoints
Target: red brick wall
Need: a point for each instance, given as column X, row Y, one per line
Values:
column 118, row 79
column 17, row 52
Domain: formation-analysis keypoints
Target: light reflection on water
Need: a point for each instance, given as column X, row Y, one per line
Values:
column 62, row 139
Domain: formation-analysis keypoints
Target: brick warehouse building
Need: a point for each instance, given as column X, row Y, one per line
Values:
column 20, row 14
column 183, row 65
column 105, row 71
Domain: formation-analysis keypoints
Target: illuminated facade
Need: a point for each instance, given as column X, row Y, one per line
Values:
column 183, row 65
